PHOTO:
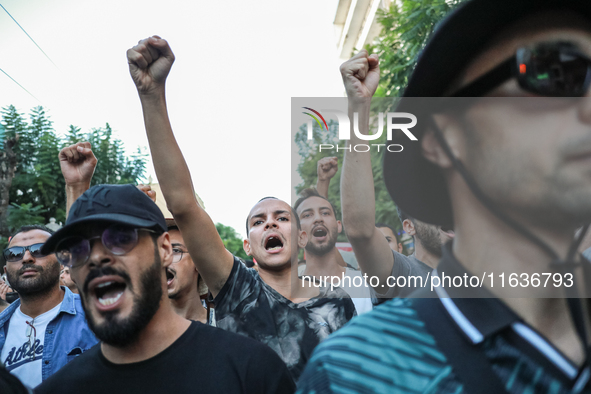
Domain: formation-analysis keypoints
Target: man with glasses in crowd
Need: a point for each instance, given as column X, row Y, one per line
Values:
column 45, row 328
column 510, row 165
column 116, row 244
column 185, row 285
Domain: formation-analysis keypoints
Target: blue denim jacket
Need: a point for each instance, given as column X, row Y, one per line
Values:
column 66, row 336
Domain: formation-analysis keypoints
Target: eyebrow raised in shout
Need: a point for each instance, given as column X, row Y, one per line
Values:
column 275, row 213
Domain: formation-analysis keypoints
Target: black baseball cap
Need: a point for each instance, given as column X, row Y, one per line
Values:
column 415, row 184
column 122, row 204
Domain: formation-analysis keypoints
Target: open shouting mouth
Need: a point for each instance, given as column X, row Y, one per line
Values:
column 320, row 233
column 170, row 275
column 108, row 292
column 273, row 244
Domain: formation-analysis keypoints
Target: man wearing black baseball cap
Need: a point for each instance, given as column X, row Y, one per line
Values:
column 508, row 164
column 116, row 243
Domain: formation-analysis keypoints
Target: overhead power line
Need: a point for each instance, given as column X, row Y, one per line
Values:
column 48, row 58
column 14, row 80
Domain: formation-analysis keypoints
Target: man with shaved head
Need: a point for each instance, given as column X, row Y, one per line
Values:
column 272, row 305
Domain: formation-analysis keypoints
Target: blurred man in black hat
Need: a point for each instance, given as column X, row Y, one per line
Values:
column 506, row 159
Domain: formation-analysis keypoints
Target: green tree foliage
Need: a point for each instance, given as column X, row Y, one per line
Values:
column 38, row 188
column 14, row 123
column 113, row 167
column 21, row 215
column 308, row 151
column 25, row 214
column 232, row 241
column 2, row 136
column 74, row 135
column 406, row 26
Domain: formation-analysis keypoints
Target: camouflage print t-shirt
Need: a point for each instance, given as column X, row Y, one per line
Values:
column 248, row 306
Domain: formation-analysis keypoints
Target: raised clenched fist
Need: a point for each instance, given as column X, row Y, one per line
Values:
column 149, row 64
column 361, row 75
column 147, row 189
column 327, row 168
column 77, row 163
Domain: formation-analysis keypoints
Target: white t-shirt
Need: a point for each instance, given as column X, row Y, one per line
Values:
column 23, row 350
column 349, row 258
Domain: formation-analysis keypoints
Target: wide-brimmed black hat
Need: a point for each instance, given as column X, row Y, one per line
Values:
column 122, row 204
column 416, row 185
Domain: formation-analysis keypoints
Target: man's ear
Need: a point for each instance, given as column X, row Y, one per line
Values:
column 303, row 239
column 400, row 248
column 339, row 226
column 432, row 150
column 4, row 269
column 409, row 227
column 165, row 250
column 246, row 247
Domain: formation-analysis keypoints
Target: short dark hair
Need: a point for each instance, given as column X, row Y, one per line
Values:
column 31, row 227
column 311, row 192
column 293, row 213
column 382, row 225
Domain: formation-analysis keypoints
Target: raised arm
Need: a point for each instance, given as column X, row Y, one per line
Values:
column 77, row 163
column 149, row 64
column 361, row 75
column 327, row 169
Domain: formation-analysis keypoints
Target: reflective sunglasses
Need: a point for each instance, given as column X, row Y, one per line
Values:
column 557, row 69
column 17, row 253
column 118, row 239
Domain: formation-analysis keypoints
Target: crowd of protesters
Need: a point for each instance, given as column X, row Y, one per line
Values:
column 126, row 299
